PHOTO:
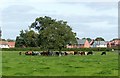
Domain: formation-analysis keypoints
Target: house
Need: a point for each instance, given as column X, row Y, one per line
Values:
column 102, row 44
column 5, row 44
column 11, row 44
column 114, row 43
column 80, row 44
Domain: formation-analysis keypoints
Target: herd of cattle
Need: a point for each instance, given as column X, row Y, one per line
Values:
column 59, row 53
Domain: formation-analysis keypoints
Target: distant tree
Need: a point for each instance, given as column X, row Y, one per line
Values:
column 31, row 38
column 89, row 39
column 27, row 39
column 19, row 42
column 3, row 40
column 10, row 40
column 83, row 38
column 99, row 39
column 53, row 34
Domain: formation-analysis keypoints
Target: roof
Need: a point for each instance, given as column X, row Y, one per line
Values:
column 116, row 39
column 99, row 43
column 80, row 41
column 3, row 43
column 7, row 43
column 11, row 43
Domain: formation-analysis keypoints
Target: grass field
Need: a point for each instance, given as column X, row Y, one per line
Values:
column 72, row 65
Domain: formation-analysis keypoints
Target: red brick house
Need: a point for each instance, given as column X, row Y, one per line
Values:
column 80, row 44
column 114, row 43
column 5, row 44
column 11, row 44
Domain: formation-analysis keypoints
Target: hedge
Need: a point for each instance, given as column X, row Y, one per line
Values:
column 87, row 49
column 64, row 49
column 21, row 49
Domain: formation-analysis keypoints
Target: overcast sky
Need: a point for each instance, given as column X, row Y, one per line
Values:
column 87, row 18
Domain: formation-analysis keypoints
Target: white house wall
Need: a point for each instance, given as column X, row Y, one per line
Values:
column 102, row 46
column 4, row 46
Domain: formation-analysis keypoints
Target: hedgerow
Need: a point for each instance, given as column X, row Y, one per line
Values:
column 64, row 49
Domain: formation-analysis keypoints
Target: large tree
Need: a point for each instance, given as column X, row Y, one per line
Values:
column 53, row 34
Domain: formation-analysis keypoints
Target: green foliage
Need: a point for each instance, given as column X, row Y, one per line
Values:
column 10, row 40
column 27, row 39
column 87, row 49
column 99, row 39
column 23, row 49
column 53, row 34
column 63, row 49
column 2, row 40
column 89, row 39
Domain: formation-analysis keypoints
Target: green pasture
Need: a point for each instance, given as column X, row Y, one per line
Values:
column 71, row 65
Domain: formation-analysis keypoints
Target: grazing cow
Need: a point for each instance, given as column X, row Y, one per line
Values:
column 50, row 53
column 86, row 53
column 61, row 53
column 20, row 53
column 35, row 53
column 82, row 53
column 28, row 53
column 66, row 53
column 39, row 53
column 103, row 53
column 57, row 53
column 44, row 53
column 90, row 53
column 70, row 52
column 75, row 52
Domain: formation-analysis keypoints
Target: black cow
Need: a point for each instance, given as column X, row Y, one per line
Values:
column 90, row 53
column 82, row 53
column 44, row 53
column 62, row 53
column 103, row 53
column 57, row 53
column 50, row 53
column 28, row 53
column 66, row 53
column 20, row 53
column 35, row 53
column 75, row 53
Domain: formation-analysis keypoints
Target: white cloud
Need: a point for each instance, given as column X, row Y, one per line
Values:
column 83, row 18
column 88, row 0
column 101, row 25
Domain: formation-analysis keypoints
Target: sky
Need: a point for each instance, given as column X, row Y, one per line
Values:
column 88, row 18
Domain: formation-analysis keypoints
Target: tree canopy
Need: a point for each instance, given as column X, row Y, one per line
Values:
column 89, row 39
column 27, row 39
column 99, row 39
column 51, row 34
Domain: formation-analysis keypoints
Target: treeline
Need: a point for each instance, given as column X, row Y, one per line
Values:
column 64, row 49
